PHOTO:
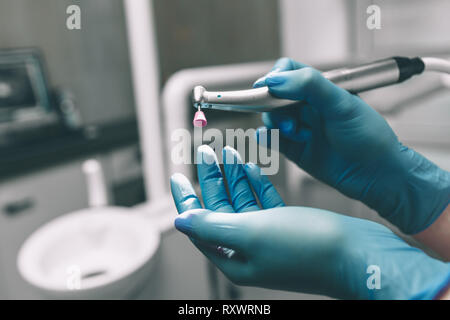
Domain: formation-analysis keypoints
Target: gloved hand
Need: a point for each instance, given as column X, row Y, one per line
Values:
column 339, row 139
column 296, row 248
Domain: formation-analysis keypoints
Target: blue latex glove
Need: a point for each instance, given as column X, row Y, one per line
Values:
column 295, row 248
column 340, row 140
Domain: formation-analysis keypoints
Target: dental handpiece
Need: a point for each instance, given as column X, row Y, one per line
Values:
column 353, row 79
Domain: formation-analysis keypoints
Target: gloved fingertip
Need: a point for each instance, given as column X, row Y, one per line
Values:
column 178, row 178
column 250, row 168
column 253, row 172
column 275, row 81
column 206, row 155
column 183, row 223
column 231, row 156
column 259, row 83
column 249, row 165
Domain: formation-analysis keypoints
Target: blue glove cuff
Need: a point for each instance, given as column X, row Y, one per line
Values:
column 414, row 194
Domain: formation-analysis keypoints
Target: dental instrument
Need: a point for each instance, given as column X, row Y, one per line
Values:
column 357, row 79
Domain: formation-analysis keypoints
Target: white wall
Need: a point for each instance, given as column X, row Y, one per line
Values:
column 314, row 31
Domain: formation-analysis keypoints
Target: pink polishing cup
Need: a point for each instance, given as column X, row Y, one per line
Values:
column 199, row 119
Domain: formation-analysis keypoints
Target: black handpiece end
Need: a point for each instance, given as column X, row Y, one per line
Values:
column 408, row 67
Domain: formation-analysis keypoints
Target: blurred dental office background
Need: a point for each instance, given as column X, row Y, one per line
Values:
column 114, row 91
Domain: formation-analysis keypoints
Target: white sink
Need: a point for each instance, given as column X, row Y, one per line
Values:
column 100, row 253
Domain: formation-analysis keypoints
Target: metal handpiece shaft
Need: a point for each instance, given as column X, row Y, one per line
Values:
column 356, row 79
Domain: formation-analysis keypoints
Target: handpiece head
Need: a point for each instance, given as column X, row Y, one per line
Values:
column 197, row 95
